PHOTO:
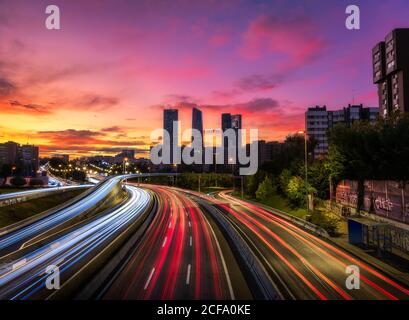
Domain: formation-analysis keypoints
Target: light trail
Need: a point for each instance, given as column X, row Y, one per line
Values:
column 66, row 252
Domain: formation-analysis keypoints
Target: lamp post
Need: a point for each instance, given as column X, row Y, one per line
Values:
column 306, row 167
column 124, row 164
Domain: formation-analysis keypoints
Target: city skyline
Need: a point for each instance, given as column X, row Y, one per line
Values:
column 101, row 83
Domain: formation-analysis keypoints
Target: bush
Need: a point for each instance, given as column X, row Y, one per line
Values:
column 328, row 223
column 265, row 189
column 18, row 181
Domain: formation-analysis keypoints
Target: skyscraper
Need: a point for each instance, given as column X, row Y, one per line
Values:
column 29, row 157
column 226, row 121
column 197, row 120
column 391, row 72
column 236, row 121
column 230, row 121
column 169, row 117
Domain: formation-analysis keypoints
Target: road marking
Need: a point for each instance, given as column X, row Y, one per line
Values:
column 190, row 224
column 170, row 223
column 190, row 241
column 186, row 214
column 188, row 274
column 164, row 241
column 19, row 264
column 149, row 279
column 226, row 272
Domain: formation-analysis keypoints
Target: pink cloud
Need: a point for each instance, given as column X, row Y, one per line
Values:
column 294, row 40
column 220, row 38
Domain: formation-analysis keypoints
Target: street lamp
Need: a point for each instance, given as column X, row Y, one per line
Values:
column 306, row 167
column 124, row 162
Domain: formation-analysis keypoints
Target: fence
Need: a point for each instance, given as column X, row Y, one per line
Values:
column 388, row 199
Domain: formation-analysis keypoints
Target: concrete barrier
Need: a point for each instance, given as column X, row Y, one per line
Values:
column 8, row 199
column 261, row 285
column 98, row 273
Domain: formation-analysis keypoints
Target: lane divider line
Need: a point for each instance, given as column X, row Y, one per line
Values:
column 149, row 279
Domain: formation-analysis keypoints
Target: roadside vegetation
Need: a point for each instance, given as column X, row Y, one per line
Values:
column 17, row 212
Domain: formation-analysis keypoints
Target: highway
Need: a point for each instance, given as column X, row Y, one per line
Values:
column 303, row 265
column 25, row 277
column 32, row 192
column 12, row 240
column 180, row 257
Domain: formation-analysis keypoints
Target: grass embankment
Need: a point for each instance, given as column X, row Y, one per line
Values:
column 278, row 202
column 211, row 189
column 17, row 212
column 320, row 216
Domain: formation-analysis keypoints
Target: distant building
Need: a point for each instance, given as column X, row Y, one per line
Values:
column 266, row 150
column 230, row 121
column 8, row 152
column 318, row 120
column 391, row 72
column 99, row 158
column 29, row 157
column 125, row 155
column 64, row 157
column 317, row 123
column 169, row 117
column 26, row 157
column 197, row 120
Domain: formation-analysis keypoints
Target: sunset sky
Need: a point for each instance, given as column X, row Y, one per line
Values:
column 100, row 83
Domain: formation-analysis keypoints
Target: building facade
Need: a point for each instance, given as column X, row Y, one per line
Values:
column 318, row 120
column 391, row 72
column 169, row 117
column 25, row 157
column 234, row 122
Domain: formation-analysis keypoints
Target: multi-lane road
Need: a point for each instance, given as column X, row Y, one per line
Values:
column 180, row 257
column 182, row 252
column 303, row 265
column 25, row 276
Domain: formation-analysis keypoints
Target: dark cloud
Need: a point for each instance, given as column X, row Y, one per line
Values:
column 84, row 138
column 118, row 150
column 6, row 87
column 31, row 107
column 95, row 100
column 171, row 98
column 70, row 133
column 258, row 82
column 113, row 129
column 252, row 106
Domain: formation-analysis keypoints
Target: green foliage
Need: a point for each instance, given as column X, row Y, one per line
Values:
column 253, row 182
column 318, row 178
column 365, row 151
column 325, row 221
column 284, row 180
column 265, row 189
column 18, row 181
column 78, row 175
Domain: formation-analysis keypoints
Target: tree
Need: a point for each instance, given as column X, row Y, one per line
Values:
column 265, row 189
column 284, row 179
column 253, row 182
column 78, row 175
column 18, row 181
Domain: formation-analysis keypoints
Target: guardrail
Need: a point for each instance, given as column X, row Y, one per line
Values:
column 263, row 286
column 298, row 221
column 107, row 264
column 23, row 196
